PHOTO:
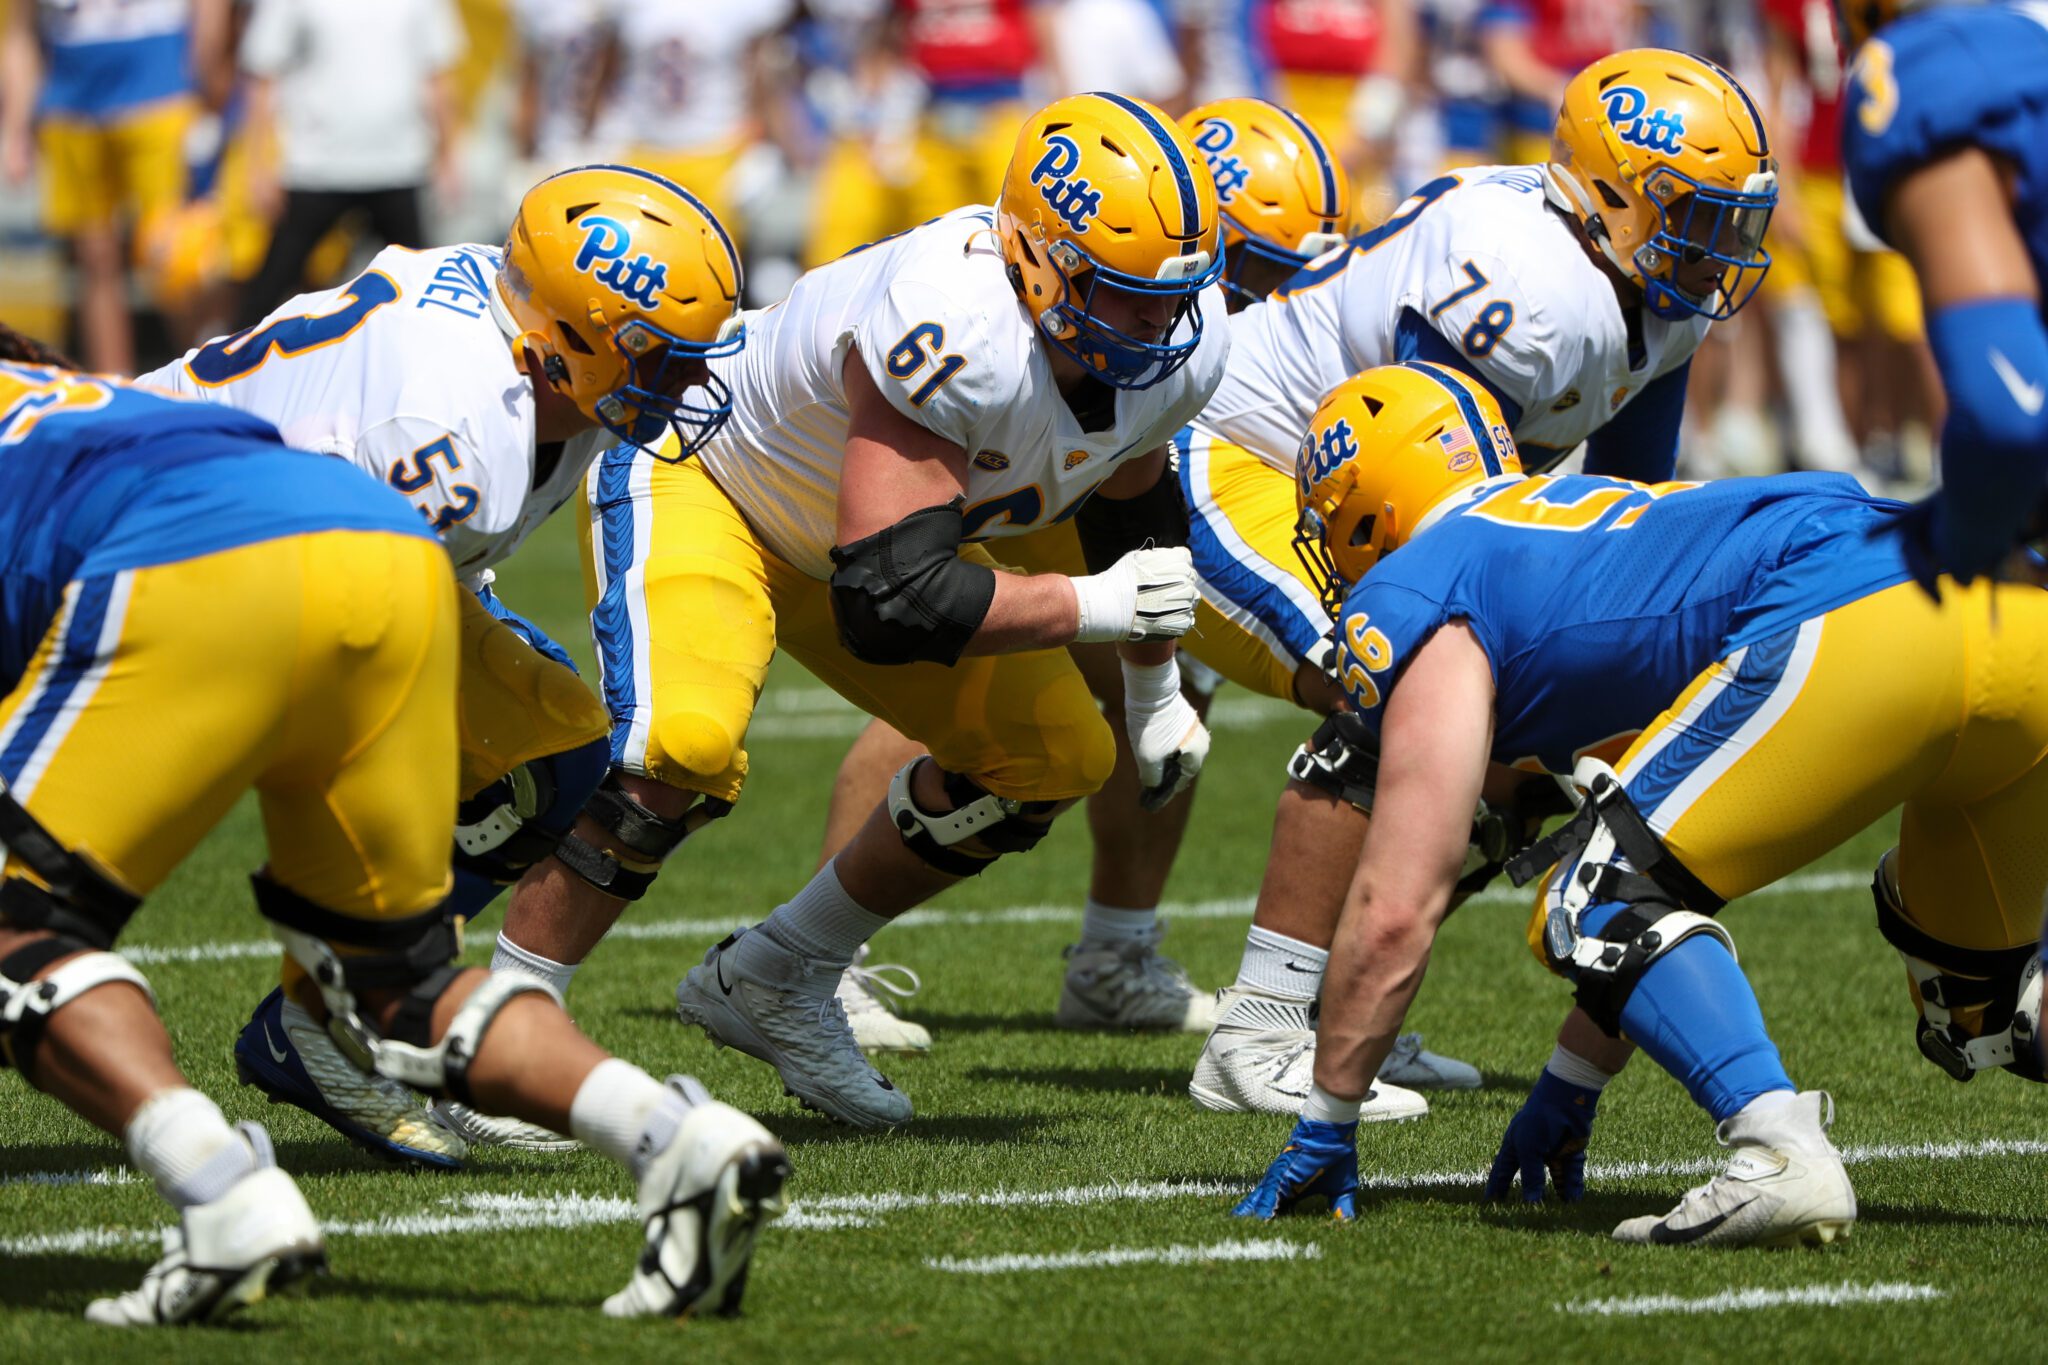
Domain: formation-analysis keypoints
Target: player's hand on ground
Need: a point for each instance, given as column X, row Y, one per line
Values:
column 1168, row 738
column 1548, row 1135
column 1320, row 1159
column 1149, row 594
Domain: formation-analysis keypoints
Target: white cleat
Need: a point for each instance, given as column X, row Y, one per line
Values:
column 863, row 992
column 479, row 1129
column 1128, row 985
column 258, row 1238
column 1261, row 1059
column 1416, row 1067
column 1784, row 1186
column 784, row 1011
column 703, row 1201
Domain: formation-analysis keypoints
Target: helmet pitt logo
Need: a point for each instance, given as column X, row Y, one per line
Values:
column 1229, row 173
column 1075, row 201
column 605, row 241
column 1322, row 457
column 1656, row 131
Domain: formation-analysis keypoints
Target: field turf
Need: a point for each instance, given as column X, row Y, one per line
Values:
column 1031, row 1142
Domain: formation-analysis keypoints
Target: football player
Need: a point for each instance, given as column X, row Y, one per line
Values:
column 481, row 382
column 1494, row 622
column 142, row 541
column 1284, row 200
column 994, row 371
column 1575, row 292
column 1945, row 135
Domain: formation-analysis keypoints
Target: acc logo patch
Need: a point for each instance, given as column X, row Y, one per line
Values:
column 1658, row 130
column 605, row 241
column 1076, row 458
column 1320, row 457
column 1229, row 173
column 1566, row 403
column 1615, row 402
column 994, row 461
column 1075, row 201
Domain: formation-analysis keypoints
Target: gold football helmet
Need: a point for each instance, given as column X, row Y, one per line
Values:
column 1105, row 196
column 625, row 285
column 1386, row 448
column 1662, row 159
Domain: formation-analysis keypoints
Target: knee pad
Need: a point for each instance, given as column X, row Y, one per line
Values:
column 1615, row 859
column 78, row 899
column 998, row 823
column 702, row 746
column 650, row 837
column 27, row 1004
column 519, row 819
column 1979, row 1007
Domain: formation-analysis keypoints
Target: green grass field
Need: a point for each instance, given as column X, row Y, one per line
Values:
column 1034, row 1142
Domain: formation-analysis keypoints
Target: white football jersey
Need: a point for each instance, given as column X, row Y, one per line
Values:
column 404, row 372
column 1483, row 260
column 945, row 338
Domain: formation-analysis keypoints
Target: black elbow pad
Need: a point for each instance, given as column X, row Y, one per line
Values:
column 1110, row 528
column 903, row 595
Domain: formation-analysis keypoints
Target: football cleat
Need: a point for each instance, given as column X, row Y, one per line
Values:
column 479, row 1129
column 1415, row 1066
column 259, row 1238
column 287, row 1054
column 703, row 1201
column 1261, row 1057
column 1784, row 1186
column 863, row 992
column 1129, row 985
column 785, row 1012
column 1320, row 1159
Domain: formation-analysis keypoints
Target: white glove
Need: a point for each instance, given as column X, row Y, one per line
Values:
column 1147, row 595
column 1167, row 737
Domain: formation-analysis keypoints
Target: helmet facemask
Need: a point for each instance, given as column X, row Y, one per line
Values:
column 1119, row 359
column 662, row 372
column 1696, row 223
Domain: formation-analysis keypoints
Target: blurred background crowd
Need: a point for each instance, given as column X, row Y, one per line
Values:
column 173, row 169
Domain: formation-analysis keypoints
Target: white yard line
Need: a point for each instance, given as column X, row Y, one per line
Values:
column 808, row 717
column 1236, row 907
column 826, row 1212
column 1272, row 1249
column 1744, row 1300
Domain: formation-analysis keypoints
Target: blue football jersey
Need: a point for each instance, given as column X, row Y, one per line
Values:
column 1951, row 77
column 97, row 476
column 1597, row 600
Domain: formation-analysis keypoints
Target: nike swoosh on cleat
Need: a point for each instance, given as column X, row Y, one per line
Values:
column 718, row 970
column 1663, row 1234
column 277, row 1054
column 2028, row 396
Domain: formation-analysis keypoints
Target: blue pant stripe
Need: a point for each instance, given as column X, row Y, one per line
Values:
column 611, row 621
column 76, row 654
column 1241, row 584
column 1761, row 671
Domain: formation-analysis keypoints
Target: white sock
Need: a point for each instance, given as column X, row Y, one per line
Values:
column 1106, row 924
column 181, row 1140
column 625, row 1113
column 1277, row 965
column 510, row 957
column 823, row 922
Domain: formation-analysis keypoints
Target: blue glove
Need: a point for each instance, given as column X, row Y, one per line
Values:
column 1319, row 1159
column 1549, row 1133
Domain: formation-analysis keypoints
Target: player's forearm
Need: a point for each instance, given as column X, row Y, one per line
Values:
column 1376, row 966
column 21, row 72
column 1029, row 611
